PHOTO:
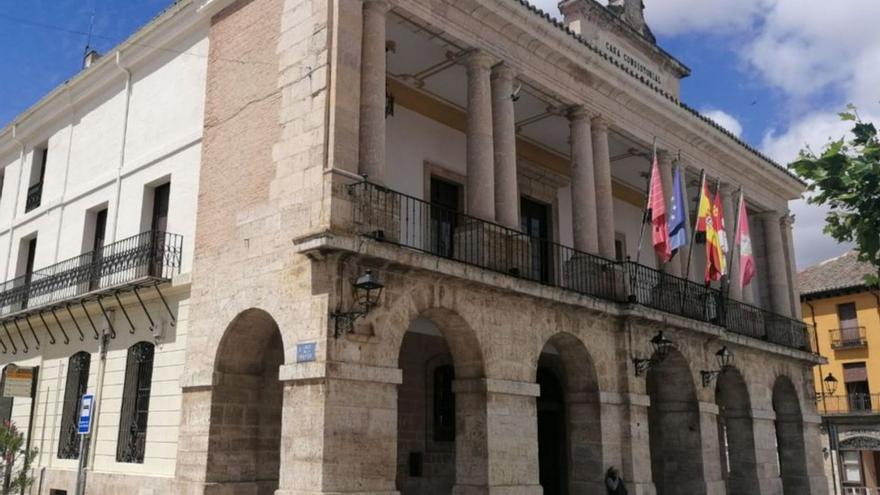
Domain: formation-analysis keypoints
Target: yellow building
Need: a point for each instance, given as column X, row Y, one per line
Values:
column 846, row 315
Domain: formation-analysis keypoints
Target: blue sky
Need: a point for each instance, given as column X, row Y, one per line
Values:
column 774, row 71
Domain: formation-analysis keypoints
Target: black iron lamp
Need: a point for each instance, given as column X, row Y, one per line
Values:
column 661, row 346
column 367, row 291
column 724, row 358
column 829, row 386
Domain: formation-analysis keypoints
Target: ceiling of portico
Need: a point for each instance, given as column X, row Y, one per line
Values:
column 426, row 58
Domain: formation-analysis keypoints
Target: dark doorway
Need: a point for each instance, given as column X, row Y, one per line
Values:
column 28, row 269
column 552, row 462
column 445, row 197
column 159, row 220
column 97, row 249
column 535, row 221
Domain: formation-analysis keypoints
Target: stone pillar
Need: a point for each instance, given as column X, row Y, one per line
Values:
column 583, row 182
column 372, row 130
column 777, row 283
column 766, row 456
column 815, row 461
column 604, row 193
column 480, row 146
column 496, row 447
column 729, row 200
column 339, row 429
column 711, row 450
column 626, row 440
column 788, row 239
column 664, row 159
column 504, row 135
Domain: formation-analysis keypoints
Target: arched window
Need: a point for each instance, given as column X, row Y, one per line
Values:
column 444, row 404
column 135, row 403
column 74, row 389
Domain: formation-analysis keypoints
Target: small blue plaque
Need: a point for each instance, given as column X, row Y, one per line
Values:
column 305, row 352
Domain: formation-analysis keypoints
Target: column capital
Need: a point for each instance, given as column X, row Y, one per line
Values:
column 787, row 220
column 664, row 158
column 478, row 59
column 600, row 123
column 503, row 71
column 577, row 113
column 766, row 216
column 727, row 189
column 377, row 5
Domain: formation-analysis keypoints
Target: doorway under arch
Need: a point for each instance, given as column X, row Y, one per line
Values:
column 790, row 438
column 674, row 427
column 244, row 438
column 570, row 457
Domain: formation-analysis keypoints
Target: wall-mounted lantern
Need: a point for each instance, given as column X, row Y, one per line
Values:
column 724, row 358
column 367, row 290
column 661, row 346
column 829, row 387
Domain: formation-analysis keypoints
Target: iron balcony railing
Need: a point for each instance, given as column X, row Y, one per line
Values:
column 855, row 403
column 148, row 255
column 848, row 338
column 394, row 217
column 861, row 490
column 34, row 196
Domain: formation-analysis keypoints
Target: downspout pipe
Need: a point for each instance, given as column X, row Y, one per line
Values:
column 118, row 189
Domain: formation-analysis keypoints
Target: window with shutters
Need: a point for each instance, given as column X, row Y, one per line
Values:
column 135, row 403
column 74, row 389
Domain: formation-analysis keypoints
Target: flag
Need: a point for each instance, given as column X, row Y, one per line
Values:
column 704, row 211
column 657, row 203
column 678, row 235
column 714, row 245
column 747, row 268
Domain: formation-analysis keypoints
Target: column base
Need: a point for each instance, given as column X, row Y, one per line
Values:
column 307, row 492
column 490, row 246
column 594, row 276
column 497, row 490
column 214, row 488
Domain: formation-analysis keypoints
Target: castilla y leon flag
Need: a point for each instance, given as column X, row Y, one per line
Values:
column 657, row 203
column 715, row 242
column 747, row 268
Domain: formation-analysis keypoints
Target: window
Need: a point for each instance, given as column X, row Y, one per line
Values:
column 445, row 198
column 159, row 215
column 444, row 404
column 27, row 253
column 619, row 246
column 95, row 236
column 852, row 466
column 855, row 376
column 135, row 403
column 38, row 172
column 74, row 389
column 535, row 223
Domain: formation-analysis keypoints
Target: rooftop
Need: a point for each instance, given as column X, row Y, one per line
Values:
column 835, row 274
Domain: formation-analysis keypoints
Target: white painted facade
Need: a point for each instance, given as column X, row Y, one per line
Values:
column 130, row 122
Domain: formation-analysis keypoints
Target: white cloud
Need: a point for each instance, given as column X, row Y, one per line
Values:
column 725, row 120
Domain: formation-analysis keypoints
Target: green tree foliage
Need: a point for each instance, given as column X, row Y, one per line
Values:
column 845, row 176
column 15, row 460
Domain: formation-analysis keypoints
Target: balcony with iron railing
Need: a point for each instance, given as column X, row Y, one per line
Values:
column 34, row 197
column 390, row 216
column 147, row 258
column 851, row 404
column 848, row 338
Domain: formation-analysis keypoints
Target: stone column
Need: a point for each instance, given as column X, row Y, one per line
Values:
column 788, row 239
column 664, row 159
column 604, row 193
column 344, row 415
column 583, row 182
column 711, row 449
column 496, row 447
column 504, row 135
column 777, row 283
column 626, row 439
column 766, row 456
column 480, row 146
column 729, row 200
column 372, row 130
column 815, row 461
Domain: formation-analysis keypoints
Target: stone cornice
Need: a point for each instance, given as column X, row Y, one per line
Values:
column 168, row 27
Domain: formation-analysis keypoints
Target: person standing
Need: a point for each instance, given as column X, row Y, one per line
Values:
column 614, row 483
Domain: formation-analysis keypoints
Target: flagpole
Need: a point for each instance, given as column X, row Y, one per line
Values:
column 735, row 236
column 647, row 201
column 687, row 273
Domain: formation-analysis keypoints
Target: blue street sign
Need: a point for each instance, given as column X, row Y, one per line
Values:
column 85, row 414
column 305, row 352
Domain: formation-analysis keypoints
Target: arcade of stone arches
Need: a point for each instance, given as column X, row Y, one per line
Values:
column 441, row 412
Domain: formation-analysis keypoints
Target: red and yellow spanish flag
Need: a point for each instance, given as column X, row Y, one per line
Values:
column 704, row 211
column 715, row 241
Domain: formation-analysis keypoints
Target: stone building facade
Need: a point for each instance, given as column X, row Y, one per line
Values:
column 485, row 163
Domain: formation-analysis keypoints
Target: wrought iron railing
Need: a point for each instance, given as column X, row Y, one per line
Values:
column 847, row 338
column 34, row 196
column 850, row 404
column 861, row 490
column 150, row 254
column 386, row 215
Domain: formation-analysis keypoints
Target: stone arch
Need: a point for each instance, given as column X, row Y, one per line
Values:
column 570, row 455
column 790, row 437
column 430, row 459
column 244, row 436
column 674, row 427
column 736, row 436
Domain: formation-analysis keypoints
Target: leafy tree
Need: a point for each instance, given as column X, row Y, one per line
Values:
column 846, row 177
column 15, row 460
